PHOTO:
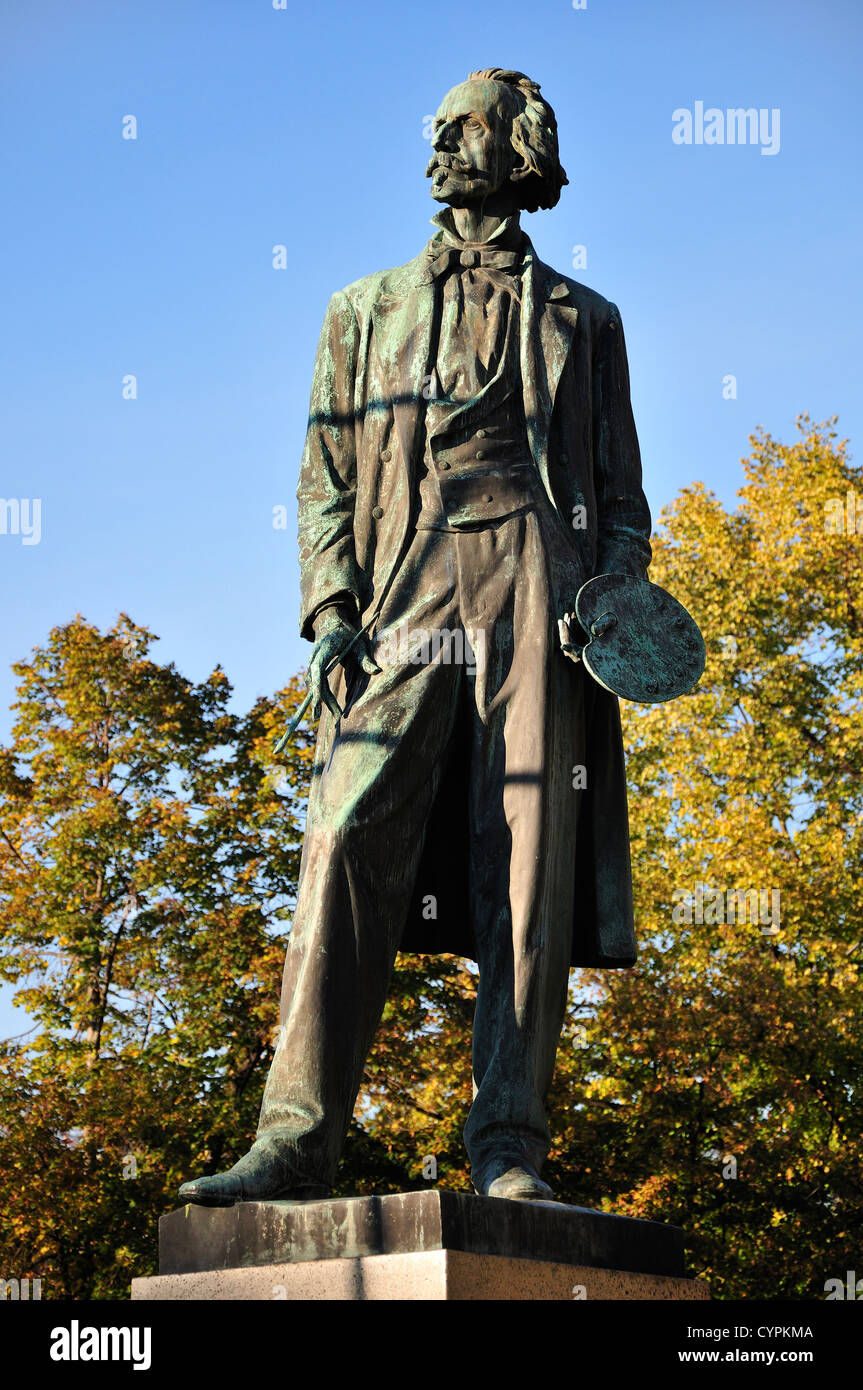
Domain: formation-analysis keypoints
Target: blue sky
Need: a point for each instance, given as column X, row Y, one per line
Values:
column 304, row 127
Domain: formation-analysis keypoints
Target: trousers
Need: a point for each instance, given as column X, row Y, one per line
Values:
column 513, row 706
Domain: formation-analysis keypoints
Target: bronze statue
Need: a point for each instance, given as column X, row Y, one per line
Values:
column 471, row 463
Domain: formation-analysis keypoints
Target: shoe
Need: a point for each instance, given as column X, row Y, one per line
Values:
column 520, row 1184
column 261, row 1175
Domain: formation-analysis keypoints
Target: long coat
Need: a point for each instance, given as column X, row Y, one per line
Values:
column 357, row 494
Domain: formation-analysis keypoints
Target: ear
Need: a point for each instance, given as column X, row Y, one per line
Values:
column 522, row 172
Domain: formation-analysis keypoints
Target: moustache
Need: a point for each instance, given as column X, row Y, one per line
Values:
column 442, row 160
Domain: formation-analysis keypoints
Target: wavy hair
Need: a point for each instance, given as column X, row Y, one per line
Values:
column 534, row 138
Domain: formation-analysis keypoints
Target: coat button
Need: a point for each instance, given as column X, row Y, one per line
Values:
column 480, row 453
column 377, row 513
column 481, row 434
column 386, row 455
column 468, row 258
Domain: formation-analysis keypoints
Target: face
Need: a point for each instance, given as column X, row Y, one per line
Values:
column 473, row 154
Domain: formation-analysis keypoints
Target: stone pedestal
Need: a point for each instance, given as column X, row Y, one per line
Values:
column 415, row 1246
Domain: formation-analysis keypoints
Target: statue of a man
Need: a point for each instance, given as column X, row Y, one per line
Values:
column 471, row 461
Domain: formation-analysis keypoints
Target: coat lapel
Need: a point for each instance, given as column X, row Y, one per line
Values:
column 548, row 321
column 403, row 324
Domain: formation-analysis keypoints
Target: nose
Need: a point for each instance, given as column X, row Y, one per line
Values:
column 445, row 137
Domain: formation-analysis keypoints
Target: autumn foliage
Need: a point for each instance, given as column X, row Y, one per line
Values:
column 149, row 850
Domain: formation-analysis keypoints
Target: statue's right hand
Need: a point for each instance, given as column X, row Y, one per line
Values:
column 333, row 633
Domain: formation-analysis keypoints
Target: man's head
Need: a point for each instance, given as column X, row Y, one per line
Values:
column 493, row 134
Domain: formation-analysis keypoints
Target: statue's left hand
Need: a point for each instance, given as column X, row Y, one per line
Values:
column 569, row 628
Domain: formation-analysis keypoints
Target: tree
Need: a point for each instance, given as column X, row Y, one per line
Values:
column 149, row 852
column 717, row 1084
column 148, row 858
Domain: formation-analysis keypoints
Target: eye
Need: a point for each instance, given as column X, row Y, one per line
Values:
column 473, row 124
